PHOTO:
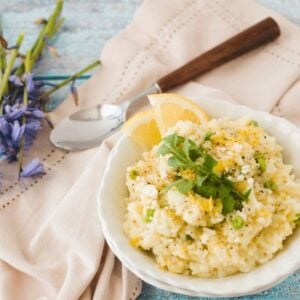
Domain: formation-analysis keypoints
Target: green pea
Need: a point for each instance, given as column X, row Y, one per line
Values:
column 271, row 185
column 253, row 123
column 261, row 160
column 237, row 222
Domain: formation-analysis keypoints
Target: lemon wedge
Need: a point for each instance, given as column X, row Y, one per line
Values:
column 170, row 108
column 142, row 128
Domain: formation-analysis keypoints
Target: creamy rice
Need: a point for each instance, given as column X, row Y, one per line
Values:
column 188, row 233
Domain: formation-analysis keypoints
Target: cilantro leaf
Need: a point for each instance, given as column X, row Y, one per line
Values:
column 175, row 163
column 200, row 179
column 183, row 185
column 247, row 194
column 209, row 163
column 229, row 205
column 227, row 199
column 207, row 190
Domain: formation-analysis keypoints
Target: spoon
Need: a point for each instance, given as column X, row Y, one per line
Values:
column 88, row 127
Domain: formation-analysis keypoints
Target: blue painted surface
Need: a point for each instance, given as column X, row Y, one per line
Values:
column 89, row 24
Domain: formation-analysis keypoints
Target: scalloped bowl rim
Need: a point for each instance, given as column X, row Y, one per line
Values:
column 261, row 278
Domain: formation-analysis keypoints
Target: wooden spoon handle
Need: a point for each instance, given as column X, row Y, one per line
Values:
column 249, row 39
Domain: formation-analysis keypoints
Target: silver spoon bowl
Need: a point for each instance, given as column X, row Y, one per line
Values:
column 88, row 127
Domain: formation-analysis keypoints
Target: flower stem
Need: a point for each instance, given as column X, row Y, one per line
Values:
column 28, row 68
column 49, row 29
column 70, row 79
column 10, row 65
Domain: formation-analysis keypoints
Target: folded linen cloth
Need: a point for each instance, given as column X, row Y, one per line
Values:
column 51, row 241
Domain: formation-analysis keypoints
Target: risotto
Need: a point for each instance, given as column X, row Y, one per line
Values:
column 212, row 200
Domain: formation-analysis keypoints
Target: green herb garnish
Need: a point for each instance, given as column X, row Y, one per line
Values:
column 261, row 160
column 133, row 174
column 208, row 135
column 271, row 185
column 237, row 222
column 149, row 215
column 253, row 123
column 185, row 154
column 183, row 185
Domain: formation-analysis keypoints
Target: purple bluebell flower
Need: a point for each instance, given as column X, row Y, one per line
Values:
column 30, row 85
column 31, row 129
column 17, row 81
column 11, row 134
column 17, row 133
column 74, row 92
column 33, row 169
column 13, row 112
column 4, row 126
column 36, row 113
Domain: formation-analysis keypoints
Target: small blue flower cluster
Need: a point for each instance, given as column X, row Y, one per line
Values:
column 20, row 123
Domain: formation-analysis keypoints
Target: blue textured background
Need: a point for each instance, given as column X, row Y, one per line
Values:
column 89, row 24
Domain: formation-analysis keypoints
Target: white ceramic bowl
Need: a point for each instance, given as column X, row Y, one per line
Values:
column 111, row 211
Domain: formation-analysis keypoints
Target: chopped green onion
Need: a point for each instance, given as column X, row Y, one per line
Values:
column 208, row 135
column 133, row 174
column 271, row 185
column 237, row 222
column 188, row 237
column 253, row 123
column 261, row 160
column 149, row 215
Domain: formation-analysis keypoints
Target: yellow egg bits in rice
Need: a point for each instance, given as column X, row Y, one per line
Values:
column 212, row 200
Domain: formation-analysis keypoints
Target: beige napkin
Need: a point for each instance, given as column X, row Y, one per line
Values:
column 51, row 241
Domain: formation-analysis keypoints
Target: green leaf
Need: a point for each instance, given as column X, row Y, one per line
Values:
column 175, row 163
column 229, row 205
column 170, row 145
column 183, row 185
column 224, row 191
column 247, row 194
column 209, row 163
column 200, row 179
column 191, row 150
column 227, row 181
column 228, row 201
column 237, row 222
column 207, row 190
